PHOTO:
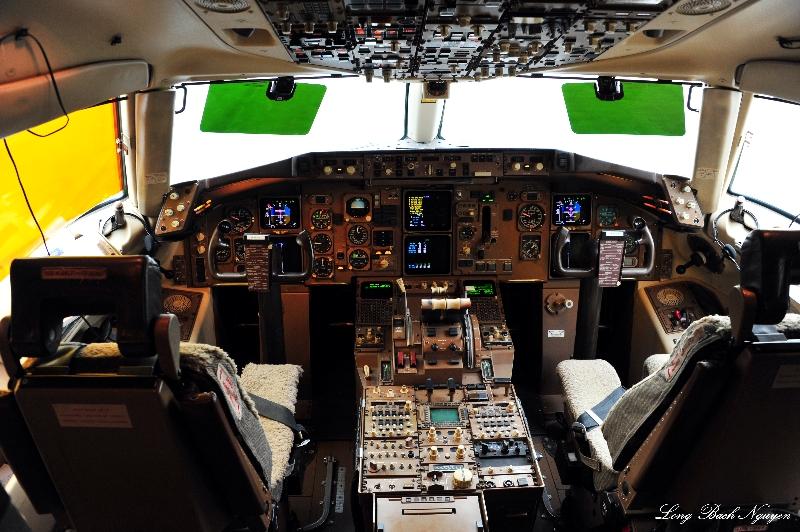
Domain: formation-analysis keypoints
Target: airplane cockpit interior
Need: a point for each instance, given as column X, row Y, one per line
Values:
column 400, row 265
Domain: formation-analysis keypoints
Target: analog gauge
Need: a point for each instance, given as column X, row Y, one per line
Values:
column 321, row 219
column 357, row 207
column 530, row 247
column 670, row 297
column 238, row 249
column 358, row 235
column 322, row 243
column 177, row 304
column 631, row 243
column 530, row 216
column 222, row 253
column 466, row 232
column 323, row 267
column 358, row 259
column 225, row 227
column 241, row 219
column 607, row 215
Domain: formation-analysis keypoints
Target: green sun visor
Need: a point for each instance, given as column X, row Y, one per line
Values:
column 243, row 107
column 645, row 109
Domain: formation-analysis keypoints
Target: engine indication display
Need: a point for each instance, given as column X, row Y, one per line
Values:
column 427, row 255
column 572, row 209
column 428, row 210
column 280, row 213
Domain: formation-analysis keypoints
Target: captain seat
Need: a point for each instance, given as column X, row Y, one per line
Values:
column 145, row 433
column 703, row 424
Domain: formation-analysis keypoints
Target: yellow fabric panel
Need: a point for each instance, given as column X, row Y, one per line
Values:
column 65, row 175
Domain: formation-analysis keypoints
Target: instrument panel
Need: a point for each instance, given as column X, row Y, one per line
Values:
column 444, row 229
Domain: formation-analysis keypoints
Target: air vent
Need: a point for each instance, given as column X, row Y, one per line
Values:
column 702, row 7
column 223, row 6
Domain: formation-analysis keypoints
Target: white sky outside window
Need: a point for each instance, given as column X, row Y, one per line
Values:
column 769, row 165
column 356, row 115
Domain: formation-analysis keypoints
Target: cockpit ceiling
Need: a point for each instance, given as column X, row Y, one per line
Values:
column 447, row 39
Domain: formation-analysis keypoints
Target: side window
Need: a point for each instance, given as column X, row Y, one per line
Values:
column 767, row 169
column 64, row 175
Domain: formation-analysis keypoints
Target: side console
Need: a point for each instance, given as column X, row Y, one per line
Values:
column 444, row 455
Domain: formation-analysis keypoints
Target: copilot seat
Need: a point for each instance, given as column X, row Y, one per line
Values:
column 715, row 421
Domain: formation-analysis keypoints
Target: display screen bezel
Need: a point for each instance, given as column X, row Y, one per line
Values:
column 262, row 217
column 441, row 268
column 444, row 212
column 586, row 212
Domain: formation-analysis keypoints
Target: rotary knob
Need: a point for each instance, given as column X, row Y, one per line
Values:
column 431, row 434
column 460, row 452
column 462, row 479
column 433, row 453
column 458, row 433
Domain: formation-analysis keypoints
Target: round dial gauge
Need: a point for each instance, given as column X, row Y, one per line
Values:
column 177, row 304
column 530, row 247
column 241, row 219
column 358, row 259
column 323, row 267
column 225, row 227
column 631, row 244
column 358, row 235
column 322, row 243
column 669, row 297
column 238, row 249
column 357, row 207
column 222, row 253
column 530, row 216
column 321, row 219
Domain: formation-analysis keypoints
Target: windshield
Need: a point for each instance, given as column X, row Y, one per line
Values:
column 356, row 115
column 767, row 170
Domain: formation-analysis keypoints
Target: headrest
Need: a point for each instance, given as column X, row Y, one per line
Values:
column 770, row 263
column 46, row 290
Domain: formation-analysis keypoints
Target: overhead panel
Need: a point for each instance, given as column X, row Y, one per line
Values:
column 441, row 39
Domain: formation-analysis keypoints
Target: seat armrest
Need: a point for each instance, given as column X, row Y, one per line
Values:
column 585, row 383
column 654, row 363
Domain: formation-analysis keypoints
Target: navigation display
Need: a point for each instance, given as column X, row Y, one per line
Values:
column 426, row 255
column 280, row 213
column 572, row 209
column 479, row 288
column 428, row 210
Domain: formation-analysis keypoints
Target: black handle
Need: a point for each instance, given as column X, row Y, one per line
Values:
column 650, row 250
column 304, row 240
column 562, row 241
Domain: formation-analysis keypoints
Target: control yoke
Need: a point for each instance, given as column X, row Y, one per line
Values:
column 303, row 239
column 563, row 240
